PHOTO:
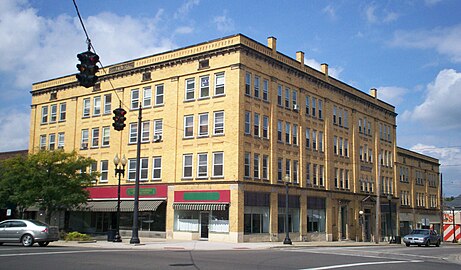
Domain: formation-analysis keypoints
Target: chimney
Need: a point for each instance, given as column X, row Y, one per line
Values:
column 374, row 92
column 324, row 68
column 300, row 57
column 272, row 43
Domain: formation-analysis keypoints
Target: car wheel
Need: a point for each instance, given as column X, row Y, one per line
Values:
column 407, row 244
column 428, row 242
column 43, row 244
column 1, row 243
column 438, row 243
column 27, row 240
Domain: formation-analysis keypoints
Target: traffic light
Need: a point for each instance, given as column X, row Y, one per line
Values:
column 119, row 119
column 88, row 68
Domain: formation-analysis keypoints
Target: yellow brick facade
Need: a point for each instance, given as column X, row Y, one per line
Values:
column 339, row 162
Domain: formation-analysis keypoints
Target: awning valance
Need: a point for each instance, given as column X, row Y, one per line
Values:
column 200, row 206
column 125, row 206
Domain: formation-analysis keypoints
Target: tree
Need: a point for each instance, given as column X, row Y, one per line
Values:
column 51, row 180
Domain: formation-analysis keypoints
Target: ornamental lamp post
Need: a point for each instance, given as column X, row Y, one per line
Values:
column 287, row 240
column 361, row 224
column 120, row 171
column 389, row 198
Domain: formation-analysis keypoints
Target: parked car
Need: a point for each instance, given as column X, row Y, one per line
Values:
column 422, row 237
column 27, row 232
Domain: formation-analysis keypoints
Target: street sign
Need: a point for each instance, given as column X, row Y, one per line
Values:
column 8, row 212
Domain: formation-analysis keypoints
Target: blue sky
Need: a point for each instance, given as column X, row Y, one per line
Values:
column 409, row 50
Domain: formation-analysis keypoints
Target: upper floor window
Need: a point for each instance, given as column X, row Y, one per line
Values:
column 218, row 126
column 134, row 99
column 133, row 132
column 265, row 127
column 62, row 111
column 60, row 140
column 202, row 165
column 219, row 84
column 86, row 107
column 314, row 103
column 107, row 103
column 156, row 168
column 84, row 140
column 145, row 131
column 203, row 124
column 247, row 122
column 279, row 95
column 320, row 109
column 104, row 171
column 218, row 164
column 96, row 106
column 265, row 90
column 190, row 89
column 256, row 124
column 287, row 97
column 158, row 129
column 256, row 87
column 146, row 97
column 187, row 166
column 105, row 136
column 248, row 83
column 54, row 112
column 188, row 126
column 307, row 105
column 159, row 93
column 42, row 142
column 52, row 141
column 95, row 137
column 204, row 86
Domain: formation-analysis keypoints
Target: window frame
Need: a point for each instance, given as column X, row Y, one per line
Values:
column 188, row 126
column 159, row 94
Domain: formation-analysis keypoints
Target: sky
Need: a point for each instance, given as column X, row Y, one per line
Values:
column 407, row 49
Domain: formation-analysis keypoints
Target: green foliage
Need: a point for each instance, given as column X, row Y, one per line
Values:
column 51, row 180
column 76, row 236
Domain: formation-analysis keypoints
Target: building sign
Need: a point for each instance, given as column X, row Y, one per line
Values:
column 210, row 196
column 122, row 67
column 366, row 168
column 127, row 191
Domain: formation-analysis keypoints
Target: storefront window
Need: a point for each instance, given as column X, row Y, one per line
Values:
column 256, row 219
column 187, row 221
column 316, row 214
column 219, row 221
column 293, row 220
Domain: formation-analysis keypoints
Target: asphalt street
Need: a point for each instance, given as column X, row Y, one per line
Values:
column 300, row 258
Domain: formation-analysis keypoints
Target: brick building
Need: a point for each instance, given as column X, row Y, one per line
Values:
column 223, row 124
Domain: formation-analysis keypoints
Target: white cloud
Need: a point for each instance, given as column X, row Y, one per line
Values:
column 184, row 30
column 333, row 72
column 370, row 14
column 442, row 105
column 392, row 94
column 224, row 23
column 374, row 15
column 330, row 11
column 444, row 40
column 432, row 2
column 185, row 8
column 14, row 130
column 448, row 156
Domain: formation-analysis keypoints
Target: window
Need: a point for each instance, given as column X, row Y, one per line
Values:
column 84, row 140
column 218, row 126
column 218, row 164
column 265, row 167
column 203, row 125
column 265, row 127
column 219, row 84
column 321, row 175
column 287, row 132
column 145, row 130
column 105, row 136
column 61, row 140
column 295, row 97
column 256, row 166
column 308, row 174
column 143, row 169
column 295, row 171
column 308, row 141
column 360, row 125
column 315, row 171
column 287, row 97
column 107, row 103
column 335, row 145
column 62, row 111
column 247, row 165
column 340, row 146
column 190, row 89
column 288, row 167
column 133, row 132
column 187, row 166
column 188, row 126
column 340, row 117
column 320, row 109
column 134, row 99
column 86, row 107
column 346, row 120
column 307, row 105
column 158, row 128
column 314, row 139
column 96, row 106
column 295, row 134
column 146, row 97
column 320, row 141
column 95, row 137
column 159, row 92
column 52, row 141
column 334, row 114
column 346, row 179
column 156, row 168
column 279, row 130
column 266, row 90
column 247, row 122
column 346, row 147
column 104, row 171
column 248, row 83
column 53, row 113
column 279, row 95
column 256, row 125
column 314, row 101
column 204, row 86
column 279, row 169
column 93, row 167
column 256, row 87
column 202, row 165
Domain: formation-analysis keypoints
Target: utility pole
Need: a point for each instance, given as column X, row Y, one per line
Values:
column 134, row 233
column 378, row 198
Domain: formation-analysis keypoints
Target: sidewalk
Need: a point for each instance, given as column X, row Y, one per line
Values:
column 163, row 244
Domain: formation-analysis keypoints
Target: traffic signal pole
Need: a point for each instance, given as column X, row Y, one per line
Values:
column 134, row 233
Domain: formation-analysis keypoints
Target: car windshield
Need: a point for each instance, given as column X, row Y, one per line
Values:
column 420, row 232
column 38, row 223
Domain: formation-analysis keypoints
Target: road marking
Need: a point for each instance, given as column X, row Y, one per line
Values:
column 359, row 264
column 64, row 252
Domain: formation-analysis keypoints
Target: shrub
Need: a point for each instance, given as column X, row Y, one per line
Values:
column 76, row 236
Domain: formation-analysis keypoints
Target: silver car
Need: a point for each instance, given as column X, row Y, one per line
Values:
column 422, row 237
column 27, row 232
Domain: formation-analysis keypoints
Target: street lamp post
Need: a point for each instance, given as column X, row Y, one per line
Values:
column 287, row 240
column 120, row 171
column 454, row 225
column 389, row 197
column 361, row 225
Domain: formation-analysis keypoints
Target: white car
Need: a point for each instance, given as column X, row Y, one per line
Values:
column 27, row 232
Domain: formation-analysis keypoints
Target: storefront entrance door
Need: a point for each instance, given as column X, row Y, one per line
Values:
column 204, row 217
